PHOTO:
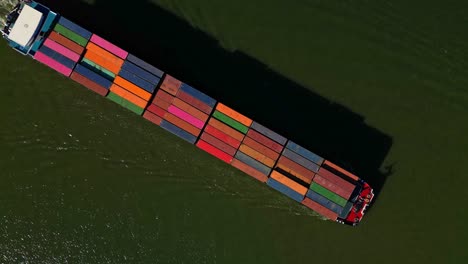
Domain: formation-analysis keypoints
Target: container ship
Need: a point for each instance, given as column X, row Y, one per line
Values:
column 334, row 193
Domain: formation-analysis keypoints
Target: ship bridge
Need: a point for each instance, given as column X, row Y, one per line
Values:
column 25, row 27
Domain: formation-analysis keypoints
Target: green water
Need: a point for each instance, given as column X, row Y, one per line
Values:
column 84, row 180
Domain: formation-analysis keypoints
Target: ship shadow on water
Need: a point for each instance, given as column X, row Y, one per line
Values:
column 172, row 44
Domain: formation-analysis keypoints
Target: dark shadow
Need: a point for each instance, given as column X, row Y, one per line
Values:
column 234, row 78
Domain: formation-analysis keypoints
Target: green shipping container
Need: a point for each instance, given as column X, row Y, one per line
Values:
column 98, row 69
column 70, row 34
column 231, row 122
column 121, row 101
column 328, row 194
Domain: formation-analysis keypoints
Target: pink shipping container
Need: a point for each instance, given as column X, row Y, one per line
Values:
column 62, row 50
column 186, row 117
column 109, row 46
column 41, row 57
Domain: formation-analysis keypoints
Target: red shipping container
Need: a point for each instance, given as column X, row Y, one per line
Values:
column 249, row 170
column 152, row 117
column 226, row 129
column 182, row 124
column 320, row 209
column 190, row 109
column 164, row 96
column 295, row 169
column 214, row 151
column 332, row 187
column 218, row 144
column 156, row 110
column 285, row 169
column 89, row 84
column 171, row 84
column 194, row 102
column 222, row 136
column 336, row 179
column 261, row 148
column 161, row 103
column 66, row 42
column 264, row 140
column 341, row 170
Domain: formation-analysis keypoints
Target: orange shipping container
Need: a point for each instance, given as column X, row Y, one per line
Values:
column 234, row 114
column 288, row 182
column 257, row 155
column 226, row 129
column 190, row 109
column 295, row 169
column 182, row 124
column 103, row 62
column 132, row 88
column 301, row 177
column 343, row 171
column 105, row 54
column 128, row 95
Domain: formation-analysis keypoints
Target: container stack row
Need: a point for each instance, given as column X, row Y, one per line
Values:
column 199, row 119
column 331, row 191
column 62, row 49
column 303, row 176
column 96, row 68
column 134, row 84
column 259, row 151
column 180, row 109
column 224, row 133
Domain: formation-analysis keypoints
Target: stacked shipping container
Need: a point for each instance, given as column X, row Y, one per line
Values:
column 63, row 47
column 96, row 68
column 320, row 189
column 135, row 84
column 180, row 109
column 223, row 133
column 259, row 151
column 197, row 118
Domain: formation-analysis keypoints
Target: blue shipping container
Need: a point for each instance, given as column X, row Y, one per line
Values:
column 269, row 133
column 285, row 190
column 130, row 67
column 137, row 81
column 324, row 201
column 48, row 23
column 301, row 160
column 346, row 210
column 75, row 28
column 253, row 163
column 197, row 94
column 145, row 65
column 178, row 132
column 93, row 76
column 58, row 57
column 305, row 153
